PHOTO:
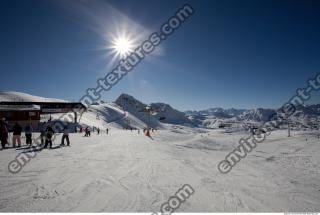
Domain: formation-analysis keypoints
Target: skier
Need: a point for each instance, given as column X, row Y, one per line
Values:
column 107, row 130
column 16, row 135
column 86, row 132
column 65, row 136
column 98, row 130
column 49, row 134
column 43, row 135
column 3, row 133
column 89, row 131
column 28, row 133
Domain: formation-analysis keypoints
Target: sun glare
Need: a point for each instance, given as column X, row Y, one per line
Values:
column 122, row 46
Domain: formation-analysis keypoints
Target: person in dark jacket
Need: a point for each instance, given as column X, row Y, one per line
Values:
column 3, row 133
column 16, row 135
column 28, row 132
column 49, row 134
column 65, row 136
column 86, row 132
column 43, row 135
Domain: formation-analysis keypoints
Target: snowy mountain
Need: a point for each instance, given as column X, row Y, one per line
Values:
column 160, row 112
column 165, row 113
column 218, row 112
column 137, row 109
column 258, row 115
column 214, row 117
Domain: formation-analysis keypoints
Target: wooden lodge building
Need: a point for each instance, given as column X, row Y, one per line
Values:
column 30, row 112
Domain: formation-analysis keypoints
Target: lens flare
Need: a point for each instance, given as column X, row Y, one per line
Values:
column 122, row 46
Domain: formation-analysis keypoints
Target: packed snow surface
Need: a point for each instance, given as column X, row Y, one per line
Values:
column 128, row 172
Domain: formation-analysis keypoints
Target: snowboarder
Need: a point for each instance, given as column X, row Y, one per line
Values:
column 3, row 133
column 65, row 136
column 49, row 134
column 16, row 135
column 28, row 133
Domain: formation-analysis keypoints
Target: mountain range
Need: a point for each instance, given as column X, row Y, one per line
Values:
column 128, row 111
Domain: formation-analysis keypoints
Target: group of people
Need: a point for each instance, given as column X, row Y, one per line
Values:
column 46, row 135
column 150, row 129
column 87, row 131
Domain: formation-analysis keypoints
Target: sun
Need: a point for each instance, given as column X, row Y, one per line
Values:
column 122, row 46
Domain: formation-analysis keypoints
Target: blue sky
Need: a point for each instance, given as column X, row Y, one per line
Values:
column 241, row 54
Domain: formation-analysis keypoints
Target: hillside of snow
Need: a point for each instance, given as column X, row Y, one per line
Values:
column 165, row 113
column 12, row 96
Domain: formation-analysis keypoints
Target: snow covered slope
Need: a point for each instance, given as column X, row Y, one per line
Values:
column 105, row 115
column 12, row 96
column 137, row 109
column 129, row 172
column 165, row 113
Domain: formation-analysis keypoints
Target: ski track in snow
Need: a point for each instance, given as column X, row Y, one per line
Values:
column 128, row 172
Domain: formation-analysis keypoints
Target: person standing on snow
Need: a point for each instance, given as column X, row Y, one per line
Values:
column 3, row 133
column 49, row 134
column 28, row 132
column 89, row 131
column 65, row 136
column 43, row 135
column 98, row 130
column 16, row 135
column 86, row 131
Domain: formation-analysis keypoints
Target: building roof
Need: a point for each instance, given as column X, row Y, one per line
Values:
column 45, row 107
column 20, row 107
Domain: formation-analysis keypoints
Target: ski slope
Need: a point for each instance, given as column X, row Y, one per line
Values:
column 129, row 172
column 108, row 115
